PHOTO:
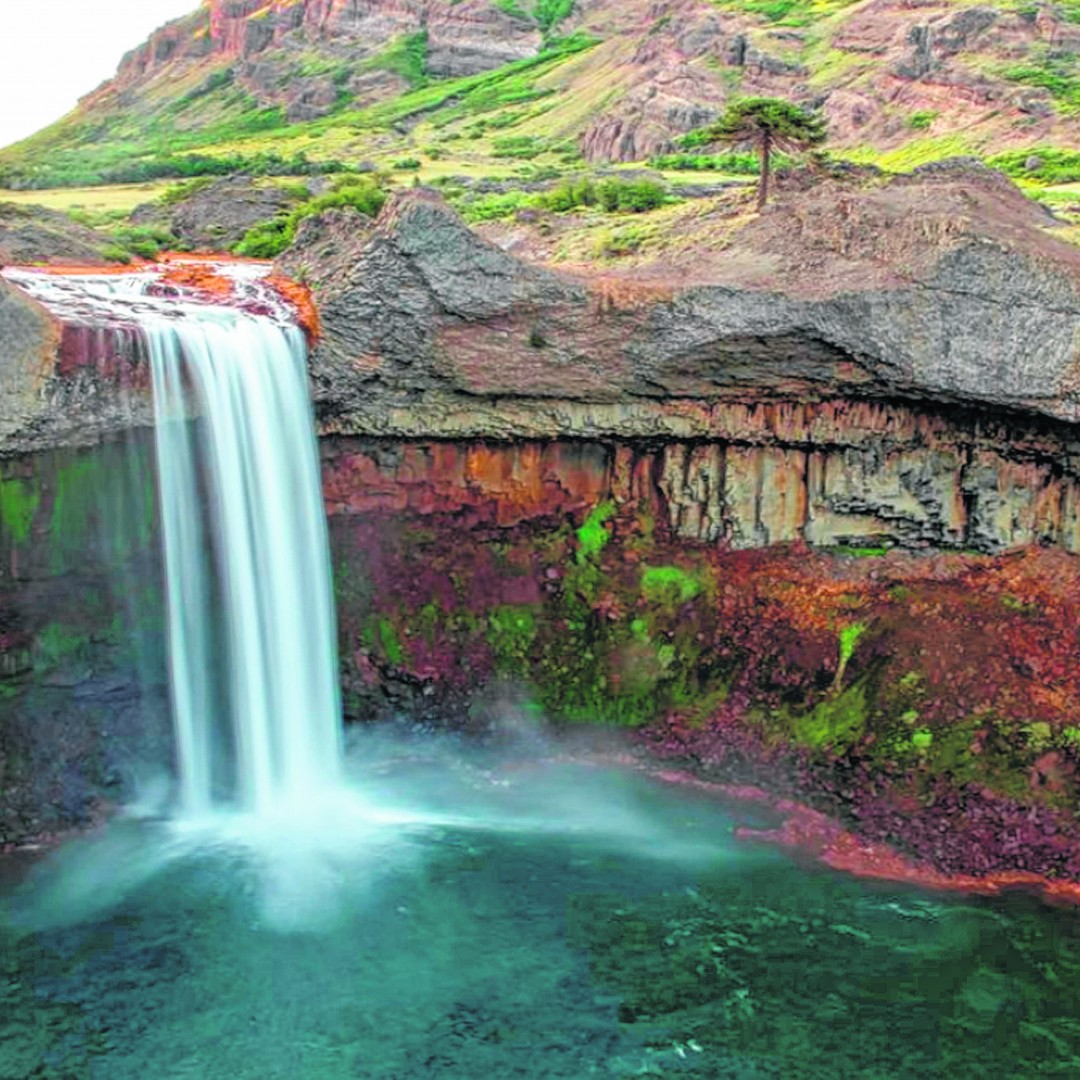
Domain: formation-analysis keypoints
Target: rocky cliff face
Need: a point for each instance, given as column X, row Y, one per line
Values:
column 270, row 44
column 897, row 363
column 464, row 37
column 803, row 507
column 83, row 692
column 784, row 375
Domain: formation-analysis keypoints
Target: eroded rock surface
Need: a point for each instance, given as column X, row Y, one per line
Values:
column 31, row 235
column 892, row 362
column 217, row 215
column 944, row 287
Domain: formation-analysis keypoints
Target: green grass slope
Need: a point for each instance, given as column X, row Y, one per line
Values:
column 605, row 80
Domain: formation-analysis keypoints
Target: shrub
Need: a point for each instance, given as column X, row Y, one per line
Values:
column 146, row 241
column 525, row 147
column 176, row 193
column 549, row 13
column 614, row 243
column 736, row 163
column 115, row 253
column 633, row 196
column 269, row 239
column 1048, row 165
column 500, row 205
column 571, row 194
column 923, row 119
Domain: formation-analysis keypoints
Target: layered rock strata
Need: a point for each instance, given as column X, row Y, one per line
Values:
column 898, row 363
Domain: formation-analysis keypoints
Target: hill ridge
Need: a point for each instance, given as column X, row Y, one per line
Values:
column 550, row 82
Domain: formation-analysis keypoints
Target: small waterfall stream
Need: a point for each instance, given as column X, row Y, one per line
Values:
column 248, row 579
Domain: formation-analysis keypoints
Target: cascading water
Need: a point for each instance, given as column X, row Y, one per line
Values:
column 248, row 377
column 241, row 483
column 250, row 627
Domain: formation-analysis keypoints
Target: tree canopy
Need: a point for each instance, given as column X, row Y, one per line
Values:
column 770, row 124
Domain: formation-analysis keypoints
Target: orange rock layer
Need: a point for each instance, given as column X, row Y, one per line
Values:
column 813, row 833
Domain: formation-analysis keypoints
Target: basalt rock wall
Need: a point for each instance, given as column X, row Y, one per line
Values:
column 834, row 474
column 896, row 364
column 927, row 698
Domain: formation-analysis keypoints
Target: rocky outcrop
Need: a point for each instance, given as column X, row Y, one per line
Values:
column 217, row 215
column 858, row 367
column 66, row 384
column 890, row 363
column 942, row 287
column 557, row 573
column 261, row 40
column 34, row 235
column 729, row 500
column 31, row 340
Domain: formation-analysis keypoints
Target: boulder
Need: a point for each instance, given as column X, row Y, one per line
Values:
column 35, row 235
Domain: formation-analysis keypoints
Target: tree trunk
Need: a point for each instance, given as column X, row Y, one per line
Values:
column 766, row 168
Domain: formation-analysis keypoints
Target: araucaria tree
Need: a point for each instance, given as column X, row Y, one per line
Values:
column 769, row 124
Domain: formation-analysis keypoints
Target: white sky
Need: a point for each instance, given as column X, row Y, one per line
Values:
column 54, row 51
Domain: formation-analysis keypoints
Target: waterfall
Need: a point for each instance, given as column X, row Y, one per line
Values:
column 267, row 526
column 251, row 635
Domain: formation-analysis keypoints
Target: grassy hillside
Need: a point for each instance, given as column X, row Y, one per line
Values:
column 606, row 80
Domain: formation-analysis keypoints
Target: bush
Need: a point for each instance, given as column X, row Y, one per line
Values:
column 500, row 205
column 630, row 196
column 266, row 240
column 549, row 13
column 61, row 173
column 735, row 163
column 115, row 253
column 1048, row 165
column 269, row 239
column 571, row 194
column 176, row 193
column 923, row 119
column 633, row 196
column 408, row 164
column 614, row 243
column 523, row 147
column 146, row 241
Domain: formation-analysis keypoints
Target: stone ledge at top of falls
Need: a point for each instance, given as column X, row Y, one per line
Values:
column 943, row 286
column 841, row 315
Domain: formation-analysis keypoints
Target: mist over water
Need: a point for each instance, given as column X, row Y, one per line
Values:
column 262, row 783
column 400, row 800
